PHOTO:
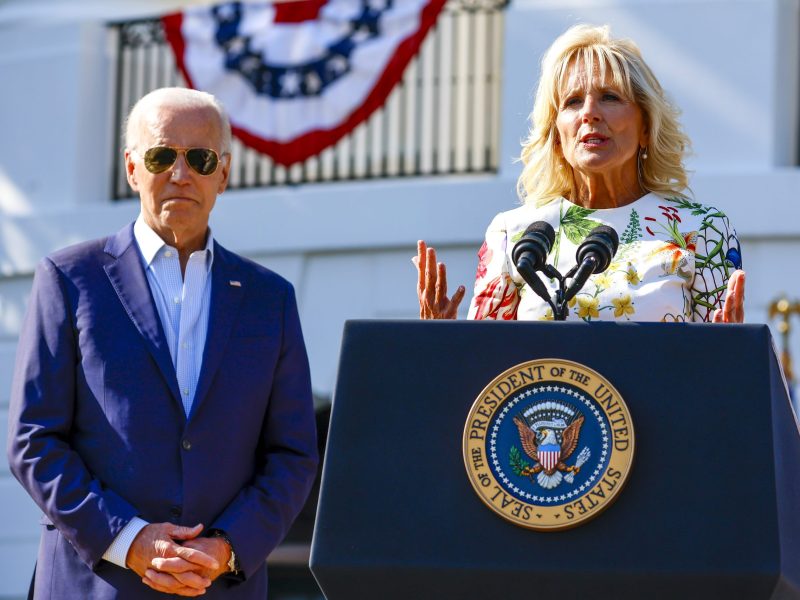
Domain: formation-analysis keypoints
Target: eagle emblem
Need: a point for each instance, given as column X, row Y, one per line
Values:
column 549, row 433
column 548, row 444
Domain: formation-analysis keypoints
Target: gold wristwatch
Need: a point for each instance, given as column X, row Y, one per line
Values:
column 233, row 564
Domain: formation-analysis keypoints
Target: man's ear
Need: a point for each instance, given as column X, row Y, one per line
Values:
column 226, row 171
column 130, row 170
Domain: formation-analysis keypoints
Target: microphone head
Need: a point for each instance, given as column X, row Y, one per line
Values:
column 544, row 228
column 534, row 245
column 602, row 242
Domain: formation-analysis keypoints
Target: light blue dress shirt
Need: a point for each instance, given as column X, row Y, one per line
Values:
column 183, row 303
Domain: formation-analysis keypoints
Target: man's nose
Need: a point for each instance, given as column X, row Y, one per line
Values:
column 180, row 170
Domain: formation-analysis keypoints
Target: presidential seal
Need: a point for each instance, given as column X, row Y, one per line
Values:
column 548, row 444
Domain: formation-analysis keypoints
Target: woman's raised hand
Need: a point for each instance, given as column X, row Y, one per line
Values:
column 432, row 286
column 733, row 311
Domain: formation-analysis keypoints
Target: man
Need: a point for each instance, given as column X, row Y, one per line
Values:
column 161, row 412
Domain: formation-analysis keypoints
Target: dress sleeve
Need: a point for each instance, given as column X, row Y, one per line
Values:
column 717, row 255
column 495, row 296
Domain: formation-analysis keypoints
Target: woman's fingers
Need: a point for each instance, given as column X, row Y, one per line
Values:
column 420, row 261
column 448, row 306
column 432, row 286
column 456, row 300
column 440, row 297
column 740, row 285
column 733, row 310
column 429, row 293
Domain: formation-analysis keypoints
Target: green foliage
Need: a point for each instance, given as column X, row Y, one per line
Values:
column 575, row 224
column 634, row 229
column 695, row 207
column 515, row 461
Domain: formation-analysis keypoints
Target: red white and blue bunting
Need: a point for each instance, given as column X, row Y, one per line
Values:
column 297, row 76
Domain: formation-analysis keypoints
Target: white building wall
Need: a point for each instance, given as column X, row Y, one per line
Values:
column 731, row 65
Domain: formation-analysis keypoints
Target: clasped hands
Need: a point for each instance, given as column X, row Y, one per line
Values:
column 172, row 559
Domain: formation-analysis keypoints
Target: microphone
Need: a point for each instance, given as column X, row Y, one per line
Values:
column 530, row 255
column 593, row 256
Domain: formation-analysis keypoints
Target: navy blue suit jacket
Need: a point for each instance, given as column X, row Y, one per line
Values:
column 98, row 434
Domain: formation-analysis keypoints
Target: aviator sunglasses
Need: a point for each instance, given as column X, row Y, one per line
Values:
column 201, row 160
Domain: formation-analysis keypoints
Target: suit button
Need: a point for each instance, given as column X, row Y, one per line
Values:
column 175, row 511
column 187, row 445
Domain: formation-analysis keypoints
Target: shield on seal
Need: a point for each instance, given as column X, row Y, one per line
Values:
column 548, row 455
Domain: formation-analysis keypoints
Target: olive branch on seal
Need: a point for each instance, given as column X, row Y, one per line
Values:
column 519, row 466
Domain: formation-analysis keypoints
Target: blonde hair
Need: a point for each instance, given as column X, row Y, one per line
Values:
column 546, row 175
column 185, row 97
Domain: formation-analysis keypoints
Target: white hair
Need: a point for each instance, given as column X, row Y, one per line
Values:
column 175, row 96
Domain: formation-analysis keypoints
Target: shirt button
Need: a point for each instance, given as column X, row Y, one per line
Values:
column 185, row 391
column 176, row 299
column 168, row 254
column 186, row 445
column 184, row 345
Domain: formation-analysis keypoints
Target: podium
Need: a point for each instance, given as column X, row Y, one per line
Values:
column 711, row 507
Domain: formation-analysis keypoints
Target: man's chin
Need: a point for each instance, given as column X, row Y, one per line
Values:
column 179, row 210
column 182, row 219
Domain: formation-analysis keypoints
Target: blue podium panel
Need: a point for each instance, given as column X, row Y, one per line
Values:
column 708, row 510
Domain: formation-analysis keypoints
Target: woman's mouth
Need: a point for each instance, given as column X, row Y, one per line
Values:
column 594, row 139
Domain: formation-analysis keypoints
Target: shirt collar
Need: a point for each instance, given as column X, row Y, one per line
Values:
column 150, row 243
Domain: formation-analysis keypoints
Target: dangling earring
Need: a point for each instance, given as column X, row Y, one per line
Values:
column 640, row 157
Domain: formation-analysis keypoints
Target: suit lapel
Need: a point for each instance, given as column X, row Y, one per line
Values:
column 228, row 286
column 128, row 278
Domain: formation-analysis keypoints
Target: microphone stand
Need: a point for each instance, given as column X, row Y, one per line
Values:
column 593, row 256
column 558, row 301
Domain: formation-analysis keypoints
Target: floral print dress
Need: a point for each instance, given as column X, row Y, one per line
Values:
column 673, row 263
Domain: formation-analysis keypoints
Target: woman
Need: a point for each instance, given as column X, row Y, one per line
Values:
column 605, row 147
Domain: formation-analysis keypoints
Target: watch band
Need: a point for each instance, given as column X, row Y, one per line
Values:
column 233, row 563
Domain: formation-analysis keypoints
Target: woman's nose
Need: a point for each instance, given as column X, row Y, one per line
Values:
column 589, row 110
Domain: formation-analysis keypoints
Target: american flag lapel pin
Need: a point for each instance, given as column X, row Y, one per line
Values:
column 235, row 283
